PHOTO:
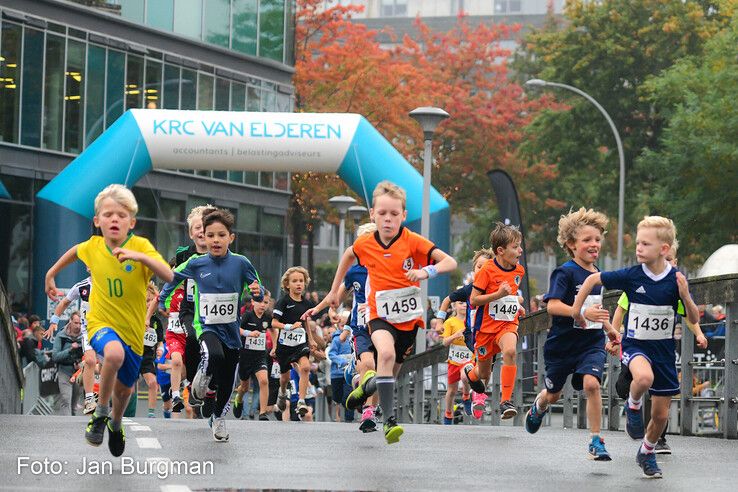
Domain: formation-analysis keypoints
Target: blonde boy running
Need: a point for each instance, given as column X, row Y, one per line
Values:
column 116, row 320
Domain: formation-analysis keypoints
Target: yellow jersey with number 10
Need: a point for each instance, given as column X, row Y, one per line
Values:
column 119, row 297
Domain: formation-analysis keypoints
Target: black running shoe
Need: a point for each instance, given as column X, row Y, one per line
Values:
column 237, row 408
column 507, row 410
column 208, row 405
column 95, row 431
column 263, row 416
column 116, row 440
column 177, row 404
column 478, row 385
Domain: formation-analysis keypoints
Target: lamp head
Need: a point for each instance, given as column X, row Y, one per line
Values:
column 429, row 118
column 535, row 84
column 357, row 211
column 342, row 203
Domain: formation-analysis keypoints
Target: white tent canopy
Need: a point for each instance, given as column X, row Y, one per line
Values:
column 721, row 262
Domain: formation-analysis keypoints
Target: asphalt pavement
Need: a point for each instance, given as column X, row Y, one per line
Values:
column 50, row 454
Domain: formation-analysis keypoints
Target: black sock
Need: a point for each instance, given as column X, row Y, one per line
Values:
column 386, row 390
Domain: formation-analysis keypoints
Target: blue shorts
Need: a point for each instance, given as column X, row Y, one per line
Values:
column 665, row 378
column 590, row 362
column 362, row 341
column 128, row 372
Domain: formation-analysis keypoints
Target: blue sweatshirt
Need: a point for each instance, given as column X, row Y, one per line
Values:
column 339, row 354
column 220, row 281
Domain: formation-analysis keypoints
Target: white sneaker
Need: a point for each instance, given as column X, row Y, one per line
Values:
column 220, row 434
column 90, row 406
column 200, row 385
column 282, row 400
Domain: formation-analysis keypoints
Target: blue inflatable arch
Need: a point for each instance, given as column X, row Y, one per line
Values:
column 145, row 139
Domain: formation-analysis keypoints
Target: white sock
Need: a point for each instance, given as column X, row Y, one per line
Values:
column 89, row 396
column 175, row 394
column 647, row 447
column 634, row 404
column 539, row 402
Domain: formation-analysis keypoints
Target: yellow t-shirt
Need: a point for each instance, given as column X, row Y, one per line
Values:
column 452, row 326
column 119, row 297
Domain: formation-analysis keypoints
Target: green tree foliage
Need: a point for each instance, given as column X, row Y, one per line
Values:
column 608, row 49
column 697, row 157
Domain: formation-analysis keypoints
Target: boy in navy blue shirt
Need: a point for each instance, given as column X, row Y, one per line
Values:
column 573, row 348
column 221, row 277
column 656, row 292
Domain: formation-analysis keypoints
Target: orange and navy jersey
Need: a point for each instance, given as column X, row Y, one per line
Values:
column 386, row 268
column 502, row 312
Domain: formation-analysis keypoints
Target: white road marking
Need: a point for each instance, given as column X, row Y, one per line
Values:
column 140, row 428
column 148, row 442
column 175, row 488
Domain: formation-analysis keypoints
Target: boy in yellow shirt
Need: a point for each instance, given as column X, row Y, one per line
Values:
column 121, row 265
column 458, row 356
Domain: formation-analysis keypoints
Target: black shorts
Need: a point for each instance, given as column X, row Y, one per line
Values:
column 404, row 340
column 622, row 386
column 147, row 361
column 287, row 355
column 250, row 362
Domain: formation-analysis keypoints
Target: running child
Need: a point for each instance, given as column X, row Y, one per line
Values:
column 459, row 355
column 396, row 260
column 253, row 355
column 473, row 322
column 571, row 348
column 116, row 320
column 622, row 386
column 295, row 341
column 188, row 321
column 176, row 340
column 151, row 339
column 80, row 291
column 656, row 291
column 495, row 289
column 221, row 277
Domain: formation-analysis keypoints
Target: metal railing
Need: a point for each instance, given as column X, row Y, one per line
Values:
column 11, row 372
column 420, row 389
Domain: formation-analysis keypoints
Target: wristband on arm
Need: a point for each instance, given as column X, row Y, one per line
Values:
column 54, row 319
column 287, row 326
column 431, row 270
column 441, row 314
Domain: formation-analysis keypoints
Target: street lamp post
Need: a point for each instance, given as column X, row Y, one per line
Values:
column 428, row 118
column 342, row 203
column 538, row 83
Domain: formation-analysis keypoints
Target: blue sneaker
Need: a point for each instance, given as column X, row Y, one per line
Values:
column 647, row 462
column 597, row 451
column 448, row 420
column 634, row 423
column 534, row 418
column 467, row 406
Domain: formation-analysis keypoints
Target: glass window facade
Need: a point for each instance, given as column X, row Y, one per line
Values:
column 10, row 52
column 187, row 18
column 70, row 90
column 254, row 27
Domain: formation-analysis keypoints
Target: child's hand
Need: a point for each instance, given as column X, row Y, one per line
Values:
column 701, row 341
column 683, row 285
column 50, row 289
column 255, row 288
column 504, row 290
column 612, row 348
column 416, row 275
column 254, row 333
column 273, row 352
column 597, row 314
column 123, row 254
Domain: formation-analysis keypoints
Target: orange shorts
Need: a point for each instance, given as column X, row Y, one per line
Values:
column 454, row 373
column 487, row 345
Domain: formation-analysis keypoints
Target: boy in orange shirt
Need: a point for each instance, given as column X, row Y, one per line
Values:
column 396, row 260
column 496, row 289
